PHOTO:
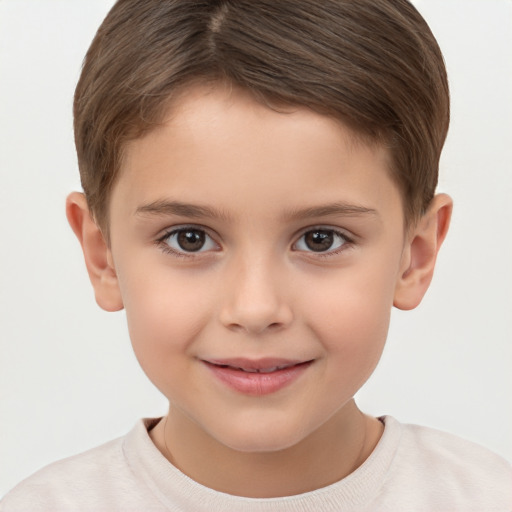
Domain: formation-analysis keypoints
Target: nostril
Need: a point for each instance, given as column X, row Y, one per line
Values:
column 249, row 312
column 236, row 327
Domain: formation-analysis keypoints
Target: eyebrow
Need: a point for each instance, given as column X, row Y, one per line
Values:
column 162, row 208
column 338, row 208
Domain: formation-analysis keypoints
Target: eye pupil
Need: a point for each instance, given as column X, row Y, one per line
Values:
column 319, row 240
column 191, row 240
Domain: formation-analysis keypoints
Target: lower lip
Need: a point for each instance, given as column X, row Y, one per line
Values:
column 258, row 384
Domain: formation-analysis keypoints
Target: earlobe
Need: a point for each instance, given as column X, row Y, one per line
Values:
column 420, row 253
column 98, row 258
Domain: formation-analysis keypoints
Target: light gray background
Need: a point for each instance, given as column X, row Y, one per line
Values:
column 68, row 378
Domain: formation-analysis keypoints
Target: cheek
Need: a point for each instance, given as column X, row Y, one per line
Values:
column 164, row 316
column 350, row 315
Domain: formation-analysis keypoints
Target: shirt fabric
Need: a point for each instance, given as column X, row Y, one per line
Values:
column 411, row 469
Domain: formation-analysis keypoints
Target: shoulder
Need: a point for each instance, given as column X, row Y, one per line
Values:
column 60, row 480
column 87, row 481
column 446, row 467
column 447, row 452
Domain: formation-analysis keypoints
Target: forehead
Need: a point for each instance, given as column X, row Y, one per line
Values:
column 219, row 144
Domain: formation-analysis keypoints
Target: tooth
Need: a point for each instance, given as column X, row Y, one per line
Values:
column 269, row 370
column 256, row 370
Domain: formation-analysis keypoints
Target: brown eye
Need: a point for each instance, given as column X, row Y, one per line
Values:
column 190, row 240
column 187, row 240
column 321, row 240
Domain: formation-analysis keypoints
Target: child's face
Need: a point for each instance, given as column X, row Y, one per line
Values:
column 242, row 236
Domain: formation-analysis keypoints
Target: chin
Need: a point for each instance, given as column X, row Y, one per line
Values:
column 261, row 444
column 261, row 438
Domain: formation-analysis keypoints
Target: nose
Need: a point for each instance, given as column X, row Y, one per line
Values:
column 255, row 299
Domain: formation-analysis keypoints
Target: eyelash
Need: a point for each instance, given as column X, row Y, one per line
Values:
column 180, row 254
column 348, row 241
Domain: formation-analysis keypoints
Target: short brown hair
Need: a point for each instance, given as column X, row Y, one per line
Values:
column 373, row 64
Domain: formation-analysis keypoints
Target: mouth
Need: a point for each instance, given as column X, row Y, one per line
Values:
column 267, row 365
column 257, row 377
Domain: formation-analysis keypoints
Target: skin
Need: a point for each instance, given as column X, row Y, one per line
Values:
column 256, row 289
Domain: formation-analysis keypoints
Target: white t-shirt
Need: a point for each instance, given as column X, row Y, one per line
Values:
column 412, row 469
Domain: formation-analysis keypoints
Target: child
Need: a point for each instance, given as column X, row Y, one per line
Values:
column 259, row 186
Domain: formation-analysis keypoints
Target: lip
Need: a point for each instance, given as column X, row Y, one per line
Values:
column 257, row 377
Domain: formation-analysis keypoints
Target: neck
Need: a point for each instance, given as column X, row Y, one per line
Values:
column 326, row 456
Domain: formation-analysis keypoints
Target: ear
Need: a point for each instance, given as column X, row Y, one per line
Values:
column 420, row 253
column 98, row 257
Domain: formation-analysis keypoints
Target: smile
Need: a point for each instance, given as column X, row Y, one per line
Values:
column 257, row 377
column 260, row 370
